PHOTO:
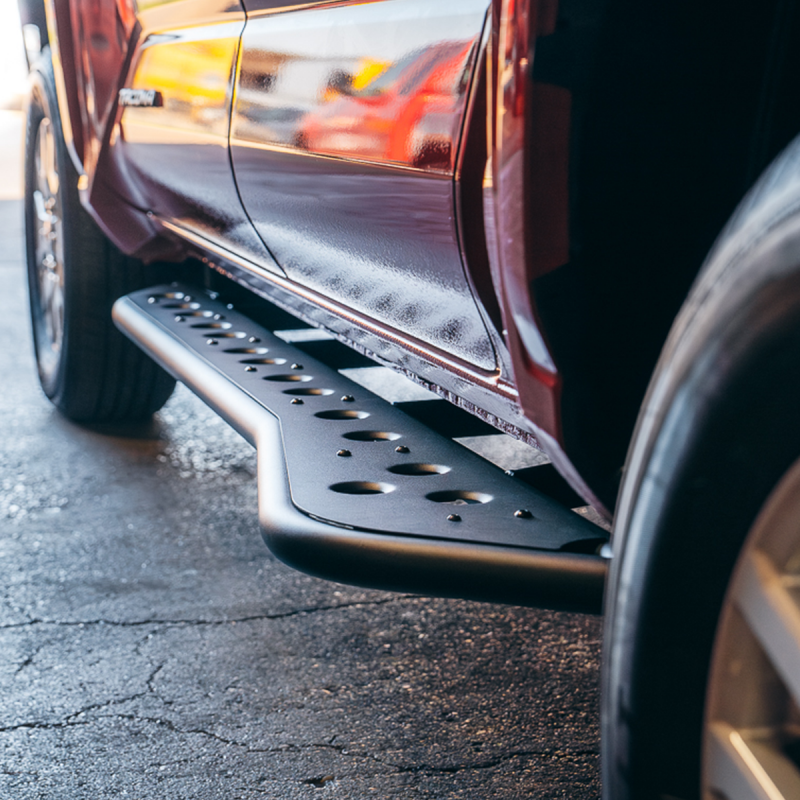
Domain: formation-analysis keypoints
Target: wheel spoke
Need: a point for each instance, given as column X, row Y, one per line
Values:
column 42, row 214
column 773, row 616
column 48, row 236
column 46, row 168
column 741, row 768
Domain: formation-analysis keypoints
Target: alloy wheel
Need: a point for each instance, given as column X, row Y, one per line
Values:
column 752, row 727
column 49, row 250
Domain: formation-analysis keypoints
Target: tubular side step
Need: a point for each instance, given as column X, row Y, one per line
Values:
column 354, row 490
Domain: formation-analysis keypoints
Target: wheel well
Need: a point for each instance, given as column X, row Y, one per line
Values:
column 677, row 107
column 717, row 431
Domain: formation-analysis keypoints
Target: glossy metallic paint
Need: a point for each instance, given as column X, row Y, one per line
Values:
column 355, row 217
column 345, row 131
column 59, row 34
column 484, row 395
column 177, row 154
column 470, row 222
column 517, row 254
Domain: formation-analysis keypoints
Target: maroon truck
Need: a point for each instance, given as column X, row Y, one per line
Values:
column 560, row 217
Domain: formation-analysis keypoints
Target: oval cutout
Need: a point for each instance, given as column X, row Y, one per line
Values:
column 225, row 334
column 460, row 498
column 276, row 362
column 247, row 351
column 289, row 378
column 309, row 392
column 362, row 487
column 419, row 469
column 154, row 298
column 192, row 309
column 217, row 326
column 342, row 413
column 371, row 436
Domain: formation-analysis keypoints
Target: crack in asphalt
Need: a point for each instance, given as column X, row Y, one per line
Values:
column 199, row 622
column 151, row 678
column 558, row 755
column 72, row 719
column 30, row 659
column 318, row 781
column 321, row 781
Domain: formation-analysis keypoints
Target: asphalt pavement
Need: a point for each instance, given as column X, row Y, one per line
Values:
column 151, row 647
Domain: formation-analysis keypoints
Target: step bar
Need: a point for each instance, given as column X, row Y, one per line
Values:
column 353, row 490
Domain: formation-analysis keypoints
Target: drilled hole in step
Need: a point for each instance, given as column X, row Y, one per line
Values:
column 419, row 469
column 290, row 378
column 362, row 487
column 266, row 361
column 339, row 413
column 217, row 326
column 460, row 498
column 189, row 309
column 155, row 298
column 309, row 392
column 371, row 436
column 254, row 351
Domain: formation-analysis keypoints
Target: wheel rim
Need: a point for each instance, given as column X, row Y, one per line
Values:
column 752, row 724
column 49, row 250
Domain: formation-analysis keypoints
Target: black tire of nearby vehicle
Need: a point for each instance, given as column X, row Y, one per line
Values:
column 718, row 430
column 87, row 368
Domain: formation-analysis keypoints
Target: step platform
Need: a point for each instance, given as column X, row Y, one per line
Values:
column 353, row 489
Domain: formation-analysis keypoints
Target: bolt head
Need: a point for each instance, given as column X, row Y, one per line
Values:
column 179, row 318
column 229, row 306
column 348, row 398
column 218, row 316
column 151, row 299
column 250, row 369
column 401, row 449
column 297, row 366
column 254, row 339
column 523, row 513
column 211, row 341
column 344, row 453
column 296, row 401
column 454, row 518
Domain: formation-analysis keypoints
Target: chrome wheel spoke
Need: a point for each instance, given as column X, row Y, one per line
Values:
column 741, row 769
column 752, row 728
column 46, row 167
column 48, row 241
column 773, row 616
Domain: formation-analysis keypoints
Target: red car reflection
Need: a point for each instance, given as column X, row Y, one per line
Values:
column 408, row 114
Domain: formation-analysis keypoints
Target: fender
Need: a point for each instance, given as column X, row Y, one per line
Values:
column 59, row 37
column 87, row 106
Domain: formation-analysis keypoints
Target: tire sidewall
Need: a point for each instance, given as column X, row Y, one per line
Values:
column 717, row 432
column 99, row 375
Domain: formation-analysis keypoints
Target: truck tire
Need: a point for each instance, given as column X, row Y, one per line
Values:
column 87, row 368
column 718, row 432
